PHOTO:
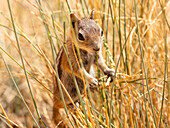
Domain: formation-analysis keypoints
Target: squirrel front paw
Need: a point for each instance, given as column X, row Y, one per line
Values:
column 93, row 82
column 109, row 72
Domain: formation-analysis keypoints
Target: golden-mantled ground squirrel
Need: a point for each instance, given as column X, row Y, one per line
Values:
column 89, row 38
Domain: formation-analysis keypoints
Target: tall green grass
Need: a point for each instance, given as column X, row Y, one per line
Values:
column 136, row 45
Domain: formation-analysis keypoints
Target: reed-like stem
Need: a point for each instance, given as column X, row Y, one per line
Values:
column 136, row 16
column 25, row 70
column 132, row 29
column 22, row 98
column 6, row 122
column 165, row 74
column 163, row 11
column 68, row 5
column 126, row 54
column 82, row 7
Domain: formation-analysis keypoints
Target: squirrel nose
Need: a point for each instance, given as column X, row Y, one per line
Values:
column 96, row 49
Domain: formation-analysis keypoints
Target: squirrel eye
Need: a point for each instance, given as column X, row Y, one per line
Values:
column 80, row 37
column 101, row 33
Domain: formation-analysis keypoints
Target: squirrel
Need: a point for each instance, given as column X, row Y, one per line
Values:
column 89, row 38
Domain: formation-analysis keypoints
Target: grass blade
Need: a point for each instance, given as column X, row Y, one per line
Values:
column 25, row 71
column 68, row 5
column 163, row 11
column 22, row 98
column 144, row 65
column 6, row 122
column 165, row 72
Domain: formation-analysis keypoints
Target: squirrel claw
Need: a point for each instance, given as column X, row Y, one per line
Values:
column 94, row 82
column 110, row 73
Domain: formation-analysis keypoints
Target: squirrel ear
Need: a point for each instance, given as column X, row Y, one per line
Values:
column 92, row 14
column 74, row 19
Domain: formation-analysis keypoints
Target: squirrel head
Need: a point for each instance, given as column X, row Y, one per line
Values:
column 88, row 34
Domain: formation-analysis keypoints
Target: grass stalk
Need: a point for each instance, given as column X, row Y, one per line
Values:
column 165, row 72
column 168, row 86
column 82, row 67
column 17, row 40
column 5, row 114
column 107, row 24
column 119, row 32
column 54, row 59
column 58, row 44
column 58, row 79
column 113, row 23
column 142, row 116
column 27, row 71
column 74, row 78
column 111, row 98
column 22, row 98
column 144, row 64
column 6, row 122
column 68, row 5
column 86, row 7
column 60, row 84
column 126, row 57
column 82, row 7
column 120, row 121
column 163, row 11
column 19, row 32
column 9, row 121
column 47, row 30
column 129, row 100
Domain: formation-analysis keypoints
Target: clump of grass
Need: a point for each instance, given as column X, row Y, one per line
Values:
column 135, row 44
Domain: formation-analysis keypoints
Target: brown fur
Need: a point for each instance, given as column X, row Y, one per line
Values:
column 91, row 43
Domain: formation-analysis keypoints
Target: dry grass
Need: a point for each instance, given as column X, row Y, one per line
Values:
column 131, row 105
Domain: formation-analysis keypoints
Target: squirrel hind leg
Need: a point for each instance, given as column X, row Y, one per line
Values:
column 61, row 119
column 57, row 118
